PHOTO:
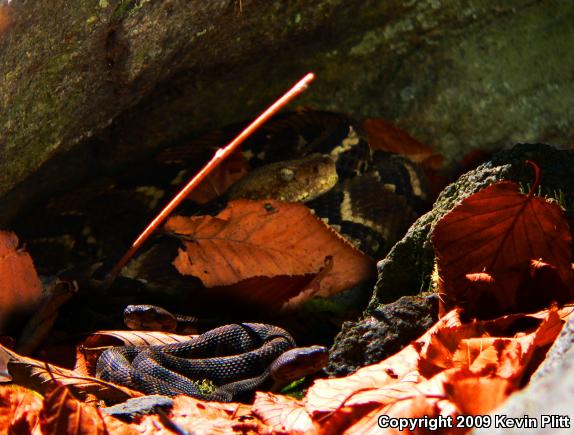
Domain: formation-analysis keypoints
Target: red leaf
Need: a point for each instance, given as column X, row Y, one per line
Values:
column 485, row 248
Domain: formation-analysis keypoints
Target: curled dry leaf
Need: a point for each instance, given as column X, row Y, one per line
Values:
column 20, row 287
column 490, row 251
column 90, row 349
column 433, row 375
column 266, row 239
column 39, row 376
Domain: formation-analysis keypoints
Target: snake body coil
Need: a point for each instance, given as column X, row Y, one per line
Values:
column 237, row 358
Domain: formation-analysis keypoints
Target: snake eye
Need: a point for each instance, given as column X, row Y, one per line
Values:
column 287, row 174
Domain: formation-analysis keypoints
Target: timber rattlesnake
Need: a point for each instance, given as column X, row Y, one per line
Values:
column 372, row 199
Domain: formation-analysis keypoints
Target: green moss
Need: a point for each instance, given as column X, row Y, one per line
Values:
column 205, row 386
column 123, row 9
column 321, row 305
column 295, row 389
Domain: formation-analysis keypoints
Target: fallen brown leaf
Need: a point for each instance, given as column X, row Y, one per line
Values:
column 477, row 395
column 283, row 414
column 20, row 287
column 5, row 19
column 39, row 376
column 226, row 174
column 281, row 292
column 265, row 239
column 434, row 374
column 64, row 414
column 197, row 416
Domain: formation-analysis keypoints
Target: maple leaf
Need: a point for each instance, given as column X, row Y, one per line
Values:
column 486, row 246
column 266, row 239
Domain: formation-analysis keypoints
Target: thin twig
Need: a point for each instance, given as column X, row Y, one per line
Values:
column 219, row 156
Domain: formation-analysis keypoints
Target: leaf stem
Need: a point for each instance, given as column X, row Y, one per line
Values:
column 219, row 156
column 537, row 177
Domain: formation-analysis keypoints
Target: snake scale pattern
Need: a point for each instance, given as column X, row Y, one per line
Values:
column 238, row 358
column 320, row 158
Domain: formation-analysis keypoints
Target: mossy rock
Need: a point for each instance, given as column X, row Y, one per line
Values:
column 401, row 309
column 407, row 268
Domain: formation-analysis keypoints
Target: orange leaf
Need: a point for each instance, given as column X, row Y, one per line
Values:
column 266, row 238
column 383, row 135
column 64, row 414
column 477, row 395
column 5, row 19
column 39, row 376
column 19, row 410
column 282, row 413
column 437, row 374
column 280, row 292
column 485, row 247
column 20, row 287
column 197, row 416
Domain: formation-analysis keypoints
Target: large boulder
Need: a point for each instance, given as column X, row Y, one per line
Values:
column 90, row 87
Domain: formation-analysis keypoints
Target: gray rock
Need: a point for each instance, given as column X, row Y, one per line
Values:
column 385, row 332
column 132, row 409
column 407, row 268
column 109, row 79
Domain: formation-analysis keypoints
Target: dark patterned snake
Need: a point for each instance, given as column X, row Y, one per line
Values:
column 237, row 358
column 322, row 159
column 319, row 158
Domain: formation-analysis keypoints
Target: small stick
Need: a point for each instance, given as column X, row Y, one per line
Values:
column 219, row 156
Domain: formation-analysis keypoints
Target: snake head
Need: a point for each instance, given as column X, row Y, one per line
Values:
column 297, row 363
column 149, row 318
